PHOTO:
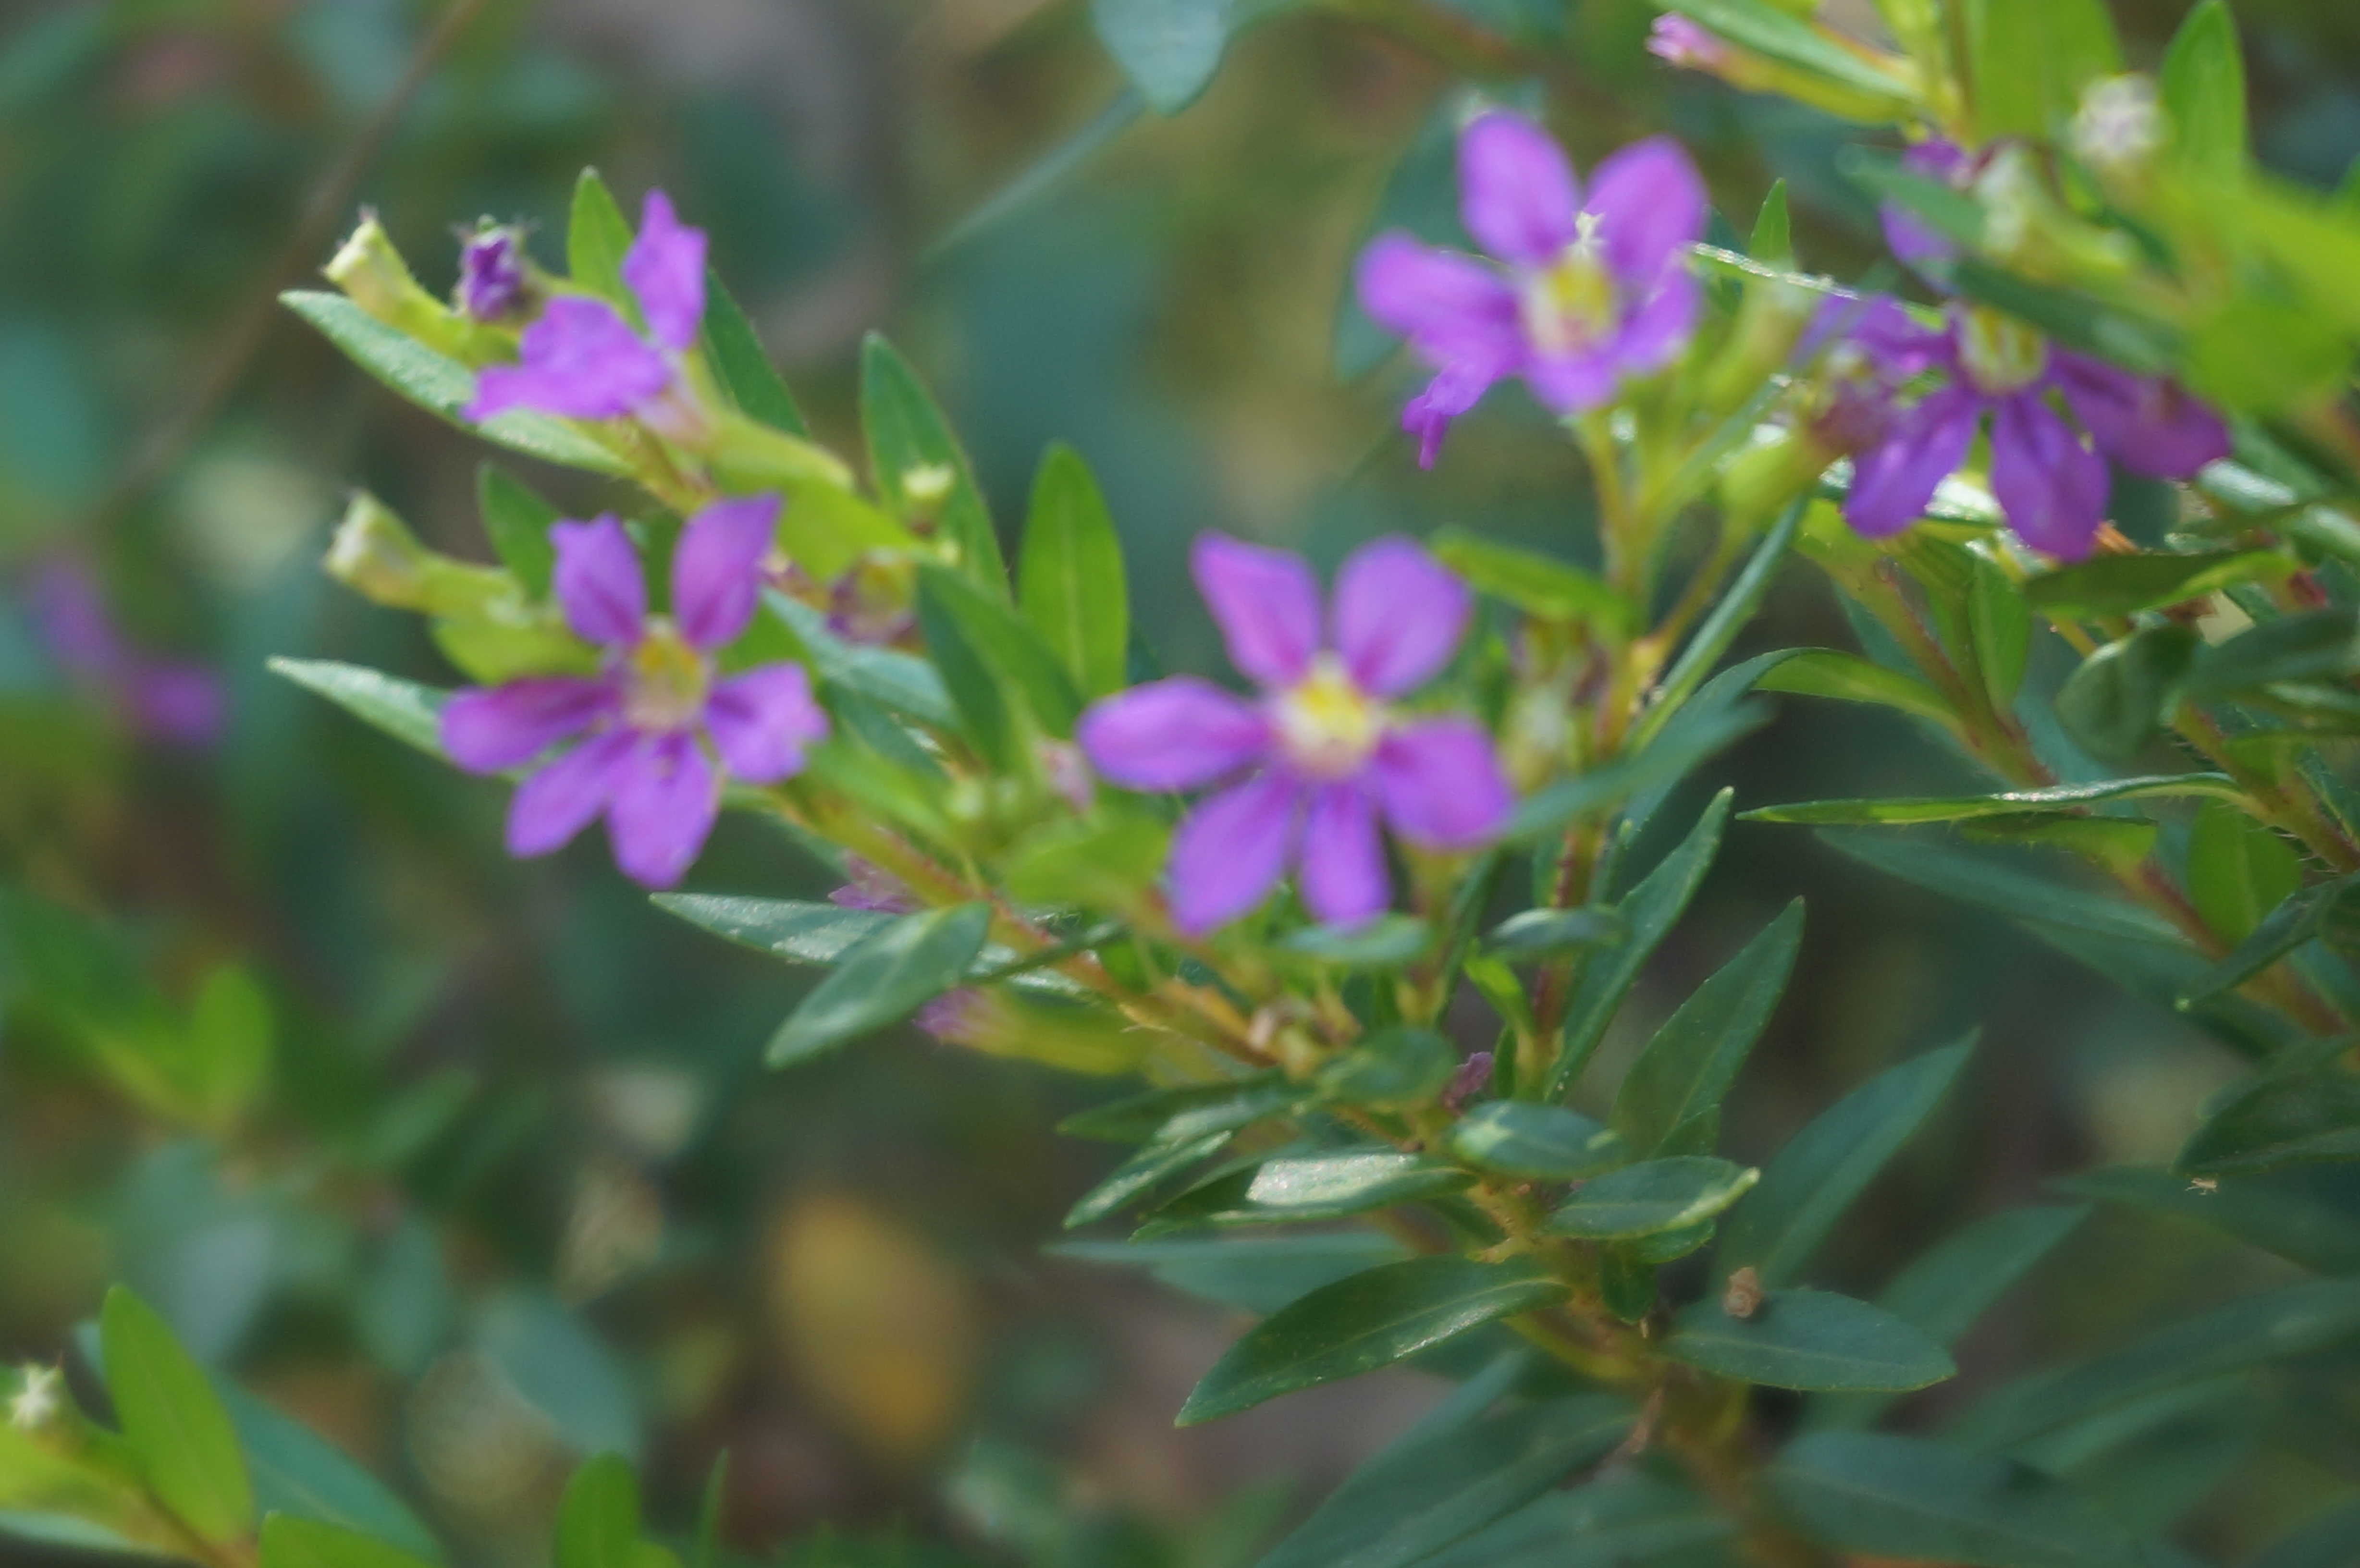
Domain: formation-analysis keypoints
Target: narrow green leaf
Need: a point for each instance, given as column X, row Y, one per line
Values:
column 1624, row 1519
column 2300, row 917
column 2310, row 1215
column 1824, row 672
column 2281, row 1119
column 1811, row 1340
column 517, row 522
column 883, row 978
column 173, row 1422
column 1691, row 1062
column 2057, row 798
column 1910, row 1498
column 1024, row 664
column 985, row 715
column 1999, row 625
column 910, row 446
column 1387, row 941
column 2238, row 871
column 1169, row 48
column 598, row 1518
column 289, row 1542
column 1522, row 1138
column 1393, row 1069
column 900, row 681
column 597, row 237
column 1773, row 238
column 742, row 365
column 792, row 929
column 1435, row 1488
column 2127, row 585
column 707, row 1551
column 300, row 1475
column 1553, row 933
column 1654, row 1196
column 1990, row 880
column 2315, row 644
column 1541, row 586
column 1207, row 1107
column 1358, row 1324
column 1252, row 1273
column 1069, row 575
column 1294, row 1189
column 1772, row 30
column 1808, row 1184
column 2029, row 60
column 1154, row 1164
column 1644, row 777
column 2203, row 81
column 2123, row 693
column 1719, row 628
column 2330, row 1539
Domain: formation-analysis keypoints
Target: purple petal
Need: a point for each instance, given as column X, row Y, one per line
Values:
column 1652, row 335
column 1266, row 603
column 489, row 730
column 565, row 797
column 1892, row 482
column 1180, row 733
column 1441, row 783
column 580, row 360
column 1228, row 853
column 761, row 722
column 1343, row 879
column 1908, row 236
column 1517, row 193
column 716, row 568
column 1895, row 342
column 491, row 273
column 666, row 797
column 1451, row 392
column 665, row 269
column 2052, row 488
column 2147, row 424
column 1651, row 205
column 182, row 703
column 597, row 580
column 1399, row 615
column 1452, row 307
column 1572, row 383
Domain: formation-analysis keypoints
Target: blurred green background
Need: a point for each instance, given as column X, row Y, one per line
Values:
column 471, row 1163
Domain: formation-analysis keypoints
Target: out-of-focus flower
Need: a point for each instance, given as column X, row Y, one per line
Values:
column 2120, row 126
column 38, row 1399
column 873, row 887
column 1675, row 40
column 1582, row 291
column 1909, row 237
column 1306, row 772
column 491, row 272
column 647, row 721
column 171, row 700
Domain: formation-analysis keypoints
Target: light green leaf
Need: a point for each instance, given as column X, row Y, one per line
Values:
column 1292, row 1189
column 2203, row 81
column 1107, row 861
column 1252, row 1273
column 597, row 237
column 1525, row 1139
column 1783, row 35
column 1169, row 48
column 1553, row 933
column 1393, row 1069
column 289, row 1542
column 517, row 523
column 910, row 443
column 1811, row 1340
column 1069, row 575
column 2056, row 798
column 1654, row 1196
column 598, row 1518
column 1824, row 672
column 2127, row 585
column 2238, row 871
column 790, row 929
column 900, row 681
column 1999, row 624
column 734, row 352
column 1691, row 1062
column 1360, row 1323
column 229, row 1043
column 883, row 978
column 1772, row 239
column 1387, row 941
column 173, row 1422
column 1541, row 586
column 2029, row 59
column 2281, row 1119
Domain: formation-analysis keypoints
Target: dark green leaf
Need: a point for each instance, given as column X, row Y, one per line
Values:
column 2114, row 703
column 1069, row 575
column 1013, row 655
column 1542, row 586
column 734, row 351
column 1808, row 1339
column 2238, row 871
column 2057, row 798
column 908, row 437
column 1680, row 747
column 1525, row 1139
column 2000, row 627
column 1360, row 1323
column 882, row 978
column 2298, row 919
column 1156, row 1164
column 517, row 522
column 1291, row 1188
column 173, row 1422
column 289, row 1542
column 2278, row 1120
column 1808, row 1184
column 1206, row 1107
column 2309, row 1214
column 572, row 1380
column 790, row 929
column 1169, row 48
column 1553, row 933
column 1778, row 32
column 1990, row 880
column 2029, row 60
column 597, row 237
column 2203, row 81
column 300, row 1474
column 1395, row 1069
column 2315, row 644
column 2126, row 584
column 1691, row 1062
column 1387, row 941
column 1652, row 1196
column 1719, row 628
column 1254, row 1274
column 1622, row 1520
column 598, row 1518
column 2330, row 1539
column 1822, row 672
column 402, row 709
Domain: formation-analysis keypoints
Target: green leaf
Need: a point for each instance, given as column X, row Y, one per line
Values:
column 792, row 929
column 881, row 979
column 1291, row 1188
column 1541, row 586
column 2315, row 644
column 1254, row 1274
column 173, row 1422
column 1395, row 1069
column 2281, row 1119
column 1648, row 911
column 1169, row 48
column 2308, row 1214
column 1990, row 880
column 517, row 522
column 2056, row 798
column 900, row 681
column 1207, row 1108
column 1691, row 1062
column 1156, row 1164
column 1910, row 1498
column 1811, row 1340
column 908, row 437
column 1360, row 1323
column 440, row 385
column 1387, row 941
column 229, row 1044
column 2330, row 1539
column 1808, row 1184
column 1069, row 575
column 2203, row 81
column 707, row 1551
column 597, row 237
column 2302, row 916
column 2238, row 871
column 1822, row 672
column 1701, row 733
column 734, row 352
column 598, row 1518
column 1433, row 1488
column 2293, row 1320
column 2114, row 703
column 1553, row 933
column 1721, row 626
column 289, row 1542
column 1024, row 664
column 1783, row 35
column 2029, row 59
column 298, row 1473
column 1624, row 1519
column 1652, row 1196
column 1773, row 238
column 1525, row 1139
column 1106, row 861
column 2127, row 585
column 1999, row 625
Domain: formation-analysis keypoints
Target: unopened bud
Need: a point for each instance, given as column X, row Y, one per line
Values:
column 373, row 276
column 1765, row 476
column 375, row 554
column 492, row 281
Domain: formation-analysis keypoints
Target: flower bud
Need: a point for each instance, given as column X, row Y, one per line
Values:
column 375, row 554
column 373, row 276
column 492, row 284
column 1768, row 474
column 1769, row 324
column 1071, row 1037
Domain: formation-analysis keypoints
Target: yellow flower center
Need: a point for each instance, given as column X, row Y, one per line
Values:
column 1328, row 726
column 2001, row 353
column 664, row 681
column 1570, row 303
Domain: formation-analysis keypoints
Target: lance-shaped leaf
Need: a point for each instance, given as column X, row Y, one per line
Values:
column 1553, row 933
column 1824, row 672
column 1170, row 48
column 1069, row 575
column 1522, row 1138
column 2310, row 1215
column 734, row 352
column 1371, row 1319
column 1393, row 1069
column 1719, row 628
column 1691, row 1062
column 1654, row 1196
column 2311, row 913
column 1254, row 1274
column 1293, row 1189
column 2058, row 799
column 1778, row 32
column 289, row 1542
column 2114, row 704
column 1541, row 586
column 598, row 1518
column 2238, row 870
column 883, row 978
column 597, row 237
column 173, row 1422
column 792, row 929
column 912, row 456
column 1704, row 733
column 2282, row 1119
column 2315, row 644
column 1623, row 1520
column 900, row 682
column 2203, row 82
column 517, row 522
column 300, row 1474
column 1185, row 1111
column 1999, row 628
column 1808, row 1339
column 1996, row 881
column 2126, row 584
column 403, row 709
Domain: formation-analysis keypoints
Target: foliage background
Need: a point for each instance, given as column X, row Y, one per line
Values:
column 515, row 1187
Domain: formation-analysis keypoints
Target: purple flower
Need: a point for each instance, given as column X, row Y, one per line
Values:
column 1675, row 40
column 178, row 703
column 491, row 272
column 1917, row 243
column 1579, row 293
column 2048, row 474
column 581, row 360
column 646, row 724
column 1306, row 773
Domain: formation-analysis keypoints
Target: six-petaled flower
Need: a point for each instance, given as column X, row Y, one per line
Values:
column 655, row 731
column 1305, row 774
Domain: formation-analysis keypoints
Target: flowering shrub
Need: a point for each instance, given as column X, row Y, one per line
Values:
column 1454, row 794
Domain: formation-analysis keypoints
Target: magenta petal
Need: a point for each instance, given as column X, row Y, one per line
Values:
column 1893, row 481
column 1652, row 335
column 1441, row 783
column 665, row 269
column 2052, row 488
column 1229, row 852
column 565, row 797
column 763, row 721
column 1650, row 204
column 1451, row 392
column 666, row 797
column 1908, row 236
column 597, row 580
column 1399, row 615
column 1180, row 733
column 580, row 360
column 2146, row 424
column 183, row 704
column 1452, row 307
column 499, row 727
column 1572, row 383
column 1266, row 603
column 716, row 568
column 1343, row 879
column 1517, row 193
